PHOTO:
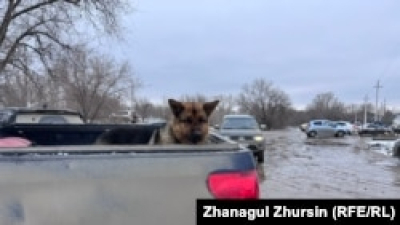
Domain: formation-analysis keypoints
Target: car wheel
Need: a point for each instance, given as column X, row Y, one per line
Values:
column 312, row 134
column 260, row 156
column 340, row 134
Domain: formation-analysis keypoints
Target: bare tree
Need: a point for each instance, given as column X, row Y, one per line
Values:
column 298, row 117
column 41, row 27
column 12, row 90
column 352, row 112
column 92, row 81
column 388, row 117
column 194, row 98
column 161, row 111
column 279, row 109
column 326, row 106
column 144, row 108
column 268, row 104
column 111, row 105
column 19, row 90
column 227, row 105
column 20, row 87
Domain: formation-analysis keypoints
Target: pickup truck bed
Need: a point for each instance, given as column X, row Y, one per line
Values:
column 100, row 184
column 70, row 134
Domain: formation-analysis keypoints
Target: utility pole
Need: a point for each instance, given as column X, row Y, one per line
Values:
column 365, row 108
column 377, row 86
column 354, row 111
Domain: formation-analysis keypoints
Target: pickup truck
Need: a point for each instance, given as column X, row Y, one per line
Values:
column 139, row 183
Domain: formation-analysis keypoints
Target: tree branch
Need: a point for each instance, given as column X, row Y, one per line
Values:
column 31, row 8
column 6, row 20
column 23, row 35
column 52, row 38
column 29, row 32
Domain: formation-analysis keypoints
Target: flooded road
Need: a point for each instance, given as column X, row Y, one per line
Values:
column 298, row 167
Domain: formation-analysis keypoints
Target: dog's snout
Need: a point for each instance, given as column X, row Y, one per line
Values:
column 196, row 136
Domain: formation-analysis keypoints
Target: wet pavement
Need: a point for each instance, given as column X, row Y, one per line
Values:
column 298, row 167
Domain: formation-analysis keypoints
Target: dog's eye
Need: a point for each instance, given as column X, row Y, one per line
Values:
column 202, row 120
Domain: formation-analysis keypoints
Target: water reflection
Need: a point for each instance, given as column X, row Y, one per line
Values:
column 261, row 172
column 396, row 171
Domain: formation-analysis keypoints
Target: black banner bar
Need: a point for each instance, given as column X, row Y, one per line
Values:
column 333, row 211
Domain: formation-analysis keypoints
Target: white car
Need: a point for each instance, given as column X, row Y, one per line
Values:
column 396, row 124
column 303, row 127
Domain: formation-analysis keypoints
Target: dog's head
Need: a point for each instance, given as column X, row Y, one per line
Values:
column 190, row 120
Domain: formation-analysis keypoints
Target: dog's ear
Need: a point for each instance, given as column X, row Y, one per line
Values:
column 176, row 107
column 209, row 107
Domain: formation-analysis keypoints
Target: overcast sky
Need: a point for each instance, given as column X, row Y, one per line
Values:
column 304, row 47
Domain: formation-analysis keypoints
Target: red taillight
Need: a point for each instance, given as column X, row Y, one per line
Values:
column 234, row 185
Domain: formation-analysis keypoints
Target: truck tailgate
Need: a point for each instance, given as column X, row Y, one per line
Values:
column 113, row 185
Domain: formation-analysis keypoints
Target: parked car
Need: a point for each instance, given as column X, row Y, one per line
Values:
column 303, row 127
column 375, row 128
column 244, row 129
column 396, row 124
column 348, row 127
column 324, row 128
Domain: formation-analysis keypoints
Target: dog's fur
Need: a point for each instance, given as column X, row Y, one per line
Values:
column 189, row 123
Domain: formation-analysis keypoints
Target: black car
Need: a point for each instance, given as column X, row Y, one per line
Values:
column 375, row 128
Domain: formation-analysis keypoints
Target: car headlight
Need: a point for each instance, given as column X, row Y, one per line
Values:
column 258, row 138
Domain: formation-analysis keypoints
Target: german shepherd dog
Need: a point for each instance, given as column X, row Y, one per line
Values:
column 189, row 123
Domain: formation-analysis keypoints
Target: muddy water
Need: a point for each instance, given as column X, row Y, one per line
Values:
column 297, row 167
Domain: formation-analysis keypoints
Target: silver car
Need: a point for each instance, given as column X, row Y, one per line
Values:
column 348, row 127
column 245, row 130
column 324, row 128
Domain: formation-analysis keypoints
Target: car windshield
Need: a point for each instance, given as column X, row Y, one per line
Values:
column 239, row 123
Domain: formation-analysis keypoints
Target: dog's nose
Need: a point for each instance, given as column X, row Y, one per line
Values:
column 196, row 136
